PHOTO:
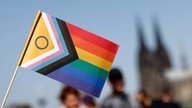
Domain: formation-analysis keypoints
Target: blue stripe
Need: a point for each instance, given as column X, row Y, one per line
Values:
column 63, row 44
column 83, row 76
column 71, row 81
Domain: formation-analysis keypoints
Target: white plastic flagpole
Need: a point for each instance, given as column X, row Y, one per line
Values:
column 9, row 88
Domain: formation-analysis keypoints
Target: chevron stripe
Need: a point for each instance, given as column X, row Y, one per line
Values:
column 45, row 56
column 58, row 55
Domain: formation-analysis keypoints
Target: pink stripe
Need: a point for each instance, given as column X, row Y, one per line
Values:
column 56, row 53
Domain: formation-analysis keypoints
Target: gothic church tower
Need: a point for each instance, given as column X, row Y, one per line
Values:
column 152, row 64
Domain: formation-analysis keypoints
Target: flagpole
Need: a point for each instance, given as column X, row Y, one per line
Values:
column 21, row 58
column 9, row 88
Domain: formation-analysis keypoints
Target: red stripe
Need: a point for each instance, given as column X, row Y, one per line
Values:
column 97, row 40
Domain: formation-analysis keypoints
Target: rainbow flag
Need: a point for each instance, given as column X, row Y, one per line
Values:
column 68, row 54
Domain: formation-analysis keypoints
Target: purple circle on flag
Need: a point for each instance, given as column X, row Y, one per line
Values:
column 41, row 47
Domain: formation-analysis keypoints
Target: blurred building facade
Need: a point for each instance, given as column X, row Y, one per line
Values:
column 181, row 83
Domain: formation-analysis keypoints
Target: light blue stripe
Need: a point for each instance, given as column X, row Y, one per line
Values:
column 63, row 45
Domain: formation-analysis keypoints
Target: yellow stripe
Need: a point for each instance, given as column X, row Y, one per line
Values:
column 93, row 59
column 29, row 37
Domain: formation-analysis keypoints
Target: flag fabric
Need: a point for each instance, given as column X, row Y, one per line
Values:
column 68, row 54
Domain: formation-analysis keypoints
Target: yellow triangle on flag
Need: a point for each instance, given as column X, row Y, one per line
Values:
column 40, row 42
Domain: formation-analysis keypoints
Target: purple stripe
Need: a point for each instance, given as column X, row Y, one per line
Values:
column 61, row 51
column 71, row 81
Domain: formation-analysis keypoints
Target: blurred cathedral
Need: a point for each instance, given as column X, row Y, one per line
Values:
column 152, row 64
column 156, row 71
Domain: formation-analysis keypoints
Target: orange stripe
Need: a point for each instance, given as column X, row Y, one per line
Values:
column 93, row 38
column 92, row 48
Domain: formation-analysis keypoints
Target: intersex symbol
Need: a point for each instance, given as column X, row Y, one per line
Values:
column 41, row 42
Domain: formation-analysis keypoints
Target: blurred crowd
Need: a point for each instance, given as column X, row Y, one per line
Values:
column 118, row 98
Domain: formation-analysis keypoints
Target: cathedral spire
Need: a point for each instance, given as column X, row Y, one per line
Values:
column 161, row 52
column 140, row 34
column 183, row 57
column 157, row 32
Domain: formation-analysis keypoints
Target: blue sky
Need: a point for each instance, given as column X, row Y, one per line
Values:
column 113, row 20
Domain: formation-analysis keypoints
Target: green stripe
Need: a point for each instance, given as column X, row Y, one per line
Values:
column 89, row 68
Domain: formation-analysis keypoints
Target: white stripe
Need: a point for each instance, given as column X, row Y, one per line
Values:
column 56, row 49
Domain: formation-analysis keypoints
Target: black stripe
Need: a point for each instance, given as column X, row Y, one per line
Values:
column 71, row 49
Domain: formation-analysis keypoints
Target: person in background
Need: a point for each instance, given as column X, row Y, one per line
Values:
column 166, row 101
column 118, row 98
column 146, row 101
column 140, row 97
column 70, row 98
column 89, row 102
column 143, row 99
